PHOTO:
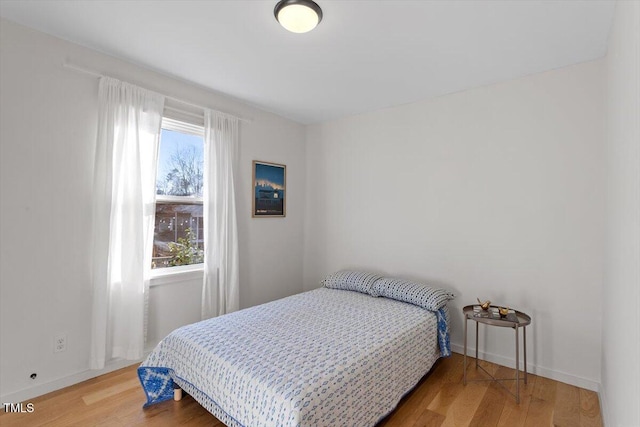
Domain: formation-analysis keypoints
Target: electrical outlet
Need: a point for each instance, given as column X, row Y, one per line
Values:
column 60, row 343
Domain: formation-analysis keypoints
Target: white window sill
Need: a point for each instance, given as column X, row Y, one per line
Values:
column 171, row 275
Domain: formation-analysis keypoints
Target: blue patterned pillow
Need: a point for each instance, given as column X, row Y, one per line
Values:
column 359, row 281
column 412, row 292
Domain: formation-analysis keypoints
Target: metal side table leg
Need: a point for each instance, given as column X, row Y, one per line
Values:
column 464, row 375
column 524, row 342
column 517, row 365
column 477, row 344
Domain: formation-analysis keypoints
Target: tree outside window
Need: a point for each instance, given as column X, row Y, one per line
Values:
column 179, row 225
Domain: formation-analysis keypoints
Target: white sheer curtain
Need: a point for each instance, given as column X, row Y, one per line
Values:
column 124, row 191
column 220, row 291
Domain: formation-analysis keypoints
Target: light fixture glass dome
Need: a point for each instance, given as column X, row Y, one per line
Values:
column 298, row 16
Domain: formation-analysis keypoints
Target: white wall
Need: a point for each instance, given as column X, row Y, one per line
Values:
column 620, row 394
column 47, row 133
column 495, row 192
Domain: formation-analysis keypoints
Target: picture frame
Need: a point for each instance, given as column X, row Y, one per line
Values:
column 269, row 190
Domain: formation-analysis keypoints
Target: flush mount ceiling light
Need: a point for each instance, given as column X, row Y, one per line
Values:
column 298, row 16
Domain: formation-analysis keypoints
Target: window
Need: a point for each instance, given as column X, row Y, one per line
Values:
column 179, row 227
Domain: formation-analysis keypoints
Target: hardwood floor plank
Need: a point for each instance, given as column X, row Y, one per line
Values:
column 411, row 406
column 97, row 396
column 567, row 408
column 514, row 414
column 466, row 404
column 440, row 399
column 458, row 402
column 455, row 372
column 590, row 414
column 450, row 388
column 428, row 419
column 490, row 409
column 445, row 398
column 542, row 403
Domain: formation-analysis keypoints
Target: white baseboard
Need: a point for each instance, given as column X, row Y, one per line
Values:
column 533, row 369
column 69, row 380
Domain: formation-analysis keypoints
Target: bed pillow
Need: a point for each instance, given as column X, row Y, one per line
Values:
column 415, row 293
column 359, row 281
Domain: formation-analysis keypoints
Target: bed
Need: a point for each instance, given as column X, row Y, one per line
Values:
column 329, row 357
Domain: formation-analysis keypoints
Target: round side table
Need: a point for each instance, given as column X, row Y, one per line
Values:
column 516, row 320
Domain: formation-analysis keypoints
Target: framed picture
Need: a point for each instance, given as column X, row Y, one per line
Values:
column 269, row 190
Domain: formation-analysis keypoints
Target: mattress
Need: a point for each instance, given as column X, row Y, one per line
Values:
column 325, row 357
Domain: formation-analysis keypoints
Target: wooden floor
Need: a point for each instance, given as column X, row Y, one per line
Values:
column 440, row 399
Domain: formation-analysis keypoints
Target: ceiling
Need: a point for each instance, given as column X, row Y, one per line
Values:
column 364, row 55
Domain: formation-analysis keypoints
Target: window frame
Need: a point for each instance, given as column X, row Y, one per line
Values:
column 179, row 273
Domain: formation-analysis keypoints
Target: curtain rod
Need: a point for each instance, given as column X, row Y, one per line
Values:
column 98, row 74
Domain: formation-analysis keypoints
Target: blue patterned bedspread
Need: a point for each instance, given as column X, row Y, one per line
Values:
column 321, row 358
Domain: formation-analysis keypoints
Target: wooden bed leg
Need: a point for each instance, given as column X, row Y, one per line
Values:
column 177, row 394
